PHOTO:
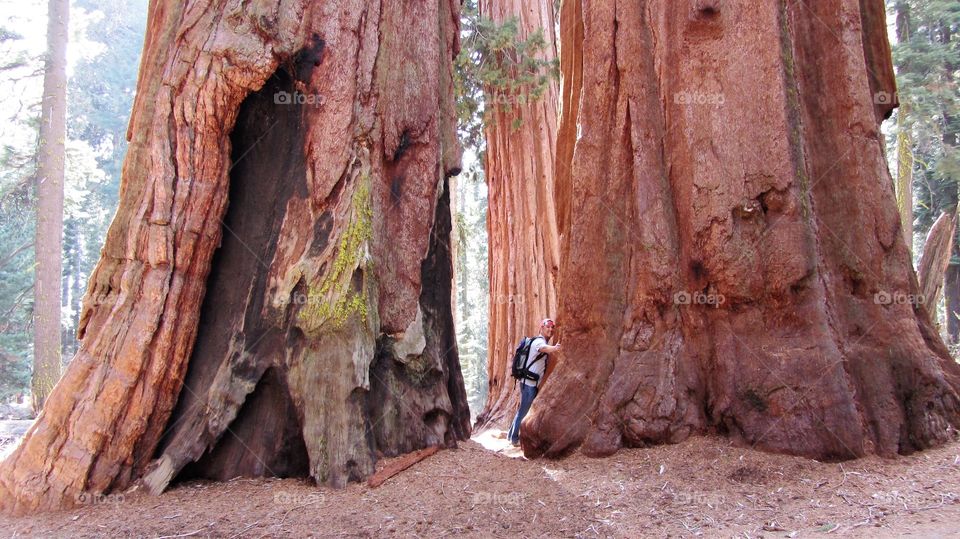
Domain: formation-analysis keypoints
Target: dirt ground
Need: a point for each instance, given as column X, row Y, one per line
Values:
column 703, row 487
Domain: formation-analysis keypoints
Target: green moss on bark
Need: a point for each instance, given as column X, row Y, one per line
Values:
column 335, row 300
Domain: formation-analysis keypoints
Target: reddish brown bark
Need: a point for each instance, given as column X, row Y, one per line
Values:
column 732, row 150
column 524, row 248
column 570, row 47
column 269, row 258
column 400, row 464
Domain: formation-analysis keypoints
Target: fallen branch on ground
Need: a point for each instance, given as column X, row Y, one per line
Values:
column 399, row 465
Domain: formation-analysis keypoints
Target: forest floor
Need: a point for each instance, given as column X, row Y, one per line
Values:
column 702, row 487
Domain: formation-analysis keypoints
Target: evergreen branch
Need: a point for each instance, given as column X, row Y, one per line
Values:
column 16, row 304
column 9, row 258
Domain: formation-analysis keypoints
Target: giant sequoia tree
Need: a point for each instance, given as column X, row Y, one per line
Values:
column 524, row 248
column 733, row 257
column 260, row 305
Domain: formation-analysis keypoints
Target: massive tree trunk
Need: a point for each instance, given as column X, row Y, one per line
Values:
column 280, row 259
column 521, row 218
column 732, row 225
column 48, row 243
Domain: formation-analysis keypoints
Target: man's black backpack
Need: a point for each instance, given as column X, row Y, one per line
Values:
column 521, row 368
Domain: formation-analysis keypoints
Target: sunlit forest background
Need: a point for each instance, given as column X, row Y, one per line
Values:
column 103, row 54
column 105, row 40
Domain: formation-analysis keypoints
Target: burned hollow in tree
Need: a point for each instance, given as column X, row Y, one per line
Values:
column 268, row 282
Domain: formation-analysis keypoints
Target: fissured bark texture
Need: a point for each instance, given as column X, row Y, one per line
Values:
column 524, row 244
column 279, row 254
column 732, row 226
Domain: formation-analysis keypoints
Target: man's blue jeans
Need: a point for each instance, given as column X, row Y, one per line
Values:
column 527, row 394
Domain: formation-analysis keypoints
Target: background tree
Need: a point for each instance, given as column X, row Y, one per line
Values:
column 902, row 145
column 472, row 284
column 100, row 93
column 508, row 99
column 927, row 58
column 470, row 215
column 48, row 242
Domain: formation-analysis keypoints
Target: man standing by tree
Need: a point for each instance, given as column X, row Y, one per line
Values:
column 536, row 365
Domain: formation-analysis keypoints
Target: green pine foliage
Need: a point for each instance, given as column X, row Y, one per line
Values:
column 927, row 60
column 496, row 68
column 16, row 274
column 101, row 92
column 17, row 216
column 106, row 38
